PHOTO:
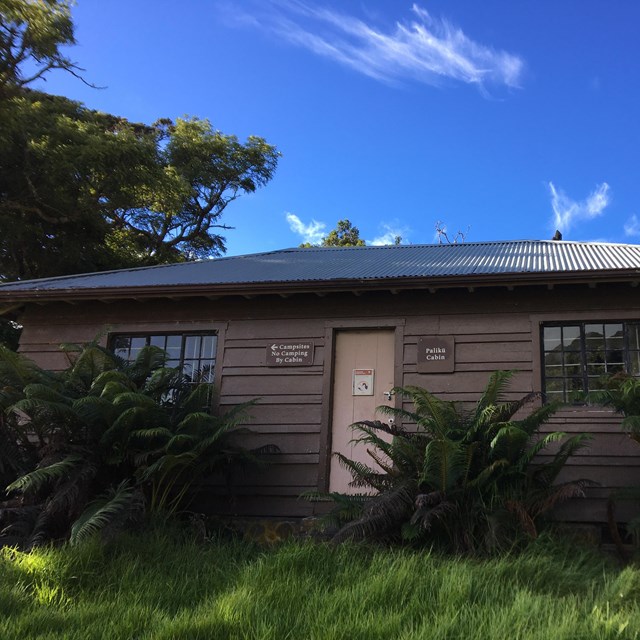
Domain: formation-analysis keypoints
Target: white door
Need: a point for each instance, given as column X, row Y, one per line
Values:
column 369, row 356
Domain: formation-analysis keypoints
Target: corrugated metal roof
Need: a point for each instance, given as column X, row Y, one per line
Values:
column 473, row 259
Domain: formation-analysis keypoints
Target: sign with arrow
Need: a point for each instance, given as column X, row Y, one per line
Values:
column 290, row 353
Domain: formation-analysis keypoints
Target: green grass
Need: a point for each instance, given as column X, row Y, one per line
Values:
column 165, row 588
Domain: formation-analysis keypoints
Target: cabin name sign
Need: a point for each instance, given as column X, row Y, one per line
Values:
column 289, row 353
column 436, row 354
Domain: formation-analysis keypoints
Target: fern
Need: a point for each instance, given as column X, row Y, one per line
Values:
column 104, row 421
column 39, row 478
column 463, row 478
column 102, row 512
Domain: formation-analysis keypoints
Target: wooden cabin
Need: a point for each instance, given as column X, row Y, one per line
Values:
column 322, row 335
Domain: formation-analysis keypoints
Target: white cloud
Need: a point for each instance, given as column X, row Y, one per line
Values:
column 632, row 226
column 391, row 232
column 312, row 232
column 424, row 49
column 567, row 211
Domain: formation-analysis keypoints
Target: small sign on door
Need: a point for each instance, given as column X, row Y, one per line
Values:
column 362, row 382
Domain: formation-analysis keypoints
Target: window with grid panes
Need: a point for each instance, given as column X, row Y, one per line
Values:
column 194, row 354
column 579, row 356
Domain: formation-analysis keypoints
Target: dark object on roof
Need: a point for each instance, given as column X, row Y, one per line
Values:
column 518, row 261
column 557, row 235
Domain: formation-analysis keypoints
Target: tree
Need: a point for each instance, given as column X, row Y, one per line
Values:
column 82, row 190
column 344, row 235
column 31, row 34
column 85, row 191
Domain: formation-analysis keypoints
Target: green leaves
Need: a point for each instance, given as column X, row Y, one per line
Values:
column 31, row 35
column 84, row 191
column 37, row 479
column 475, row 476
column 102, row 512
column 110, row 428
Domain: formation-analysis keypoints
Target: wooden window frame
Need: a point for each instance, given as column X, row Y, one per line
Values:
column 581, row 323
column 177, row 328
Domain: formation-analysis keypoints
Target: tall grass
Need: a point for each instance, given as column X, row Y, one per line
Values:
column 163, row 588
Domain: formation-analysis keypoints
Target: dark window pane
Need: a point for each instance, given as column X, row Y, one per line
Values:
column 573, row 358
column 595, row 357
column 190, row 369
column 634, row 363
column 593, row 331
column 174, row 346
column 158, row 341
column 615, row 357
column 206, row 370
column 572, row 369
column 553, row 371
column 576, row 384
column 121, row 342
column 596, row 370
column 192, row 347
column 137, row 343
column 613, row 330
column 209, row 346
column 552, row 338
column 121, row 346
column 633, row 331
column 553, row 357
column 555, row 384
column 571, row 338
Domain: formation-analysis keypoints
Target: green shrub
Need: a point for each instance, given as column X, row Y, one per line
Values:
column 468, row 481
column 623, row 394
column 111, row 440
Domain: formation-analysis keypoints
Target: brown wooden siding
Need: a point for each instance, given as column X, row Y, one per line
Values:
column 493, row 329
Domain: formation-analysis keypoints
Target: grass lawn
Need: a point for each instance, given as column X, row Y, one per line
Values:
column 160, row 587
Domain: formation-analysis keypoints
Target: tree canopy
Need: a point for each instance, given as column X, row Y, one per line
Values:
column 344, row 235
column 31, row 34
column 82, row 190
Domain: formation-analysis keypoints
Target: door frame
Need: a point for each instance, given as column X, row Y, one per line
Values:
column 331, row 328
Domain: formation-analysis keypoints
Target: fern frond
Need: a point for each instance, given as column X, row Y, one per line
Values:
column 101, row 512
column 382, row 515
column 548, row 472
column 445, row 462
column 495, row 389
column 540, row 445
column 35, row 480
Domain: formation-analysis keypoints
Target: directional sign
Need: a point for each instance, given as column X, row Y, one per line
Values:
column 290, row 353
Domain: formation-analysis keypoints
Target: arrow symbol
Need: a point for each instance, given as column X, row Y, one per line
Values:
column 274, row 347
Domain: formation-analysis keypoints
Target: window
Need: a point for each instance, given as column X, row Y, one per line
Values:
column 195, row 354
column 578, row 356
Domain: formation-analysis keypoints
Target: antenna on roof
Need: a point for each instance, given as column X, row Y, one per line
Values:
column 557, row 235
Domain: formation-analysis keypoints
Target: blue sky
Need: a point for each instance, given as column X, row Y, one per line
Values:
column 500, row 119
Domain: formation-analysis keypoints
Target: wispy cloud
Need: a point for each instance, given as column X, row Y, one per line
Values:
column 567, row 211
column 391, row 232
column 312, row 232
column 632, row 226
column 423, row 49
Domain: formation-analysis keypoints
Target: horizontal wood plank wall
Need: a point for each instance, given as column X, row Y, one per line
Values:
column 493, row 329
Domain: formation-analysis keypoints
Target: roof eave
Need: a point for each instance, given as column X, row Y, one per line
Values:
column 327, row 286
